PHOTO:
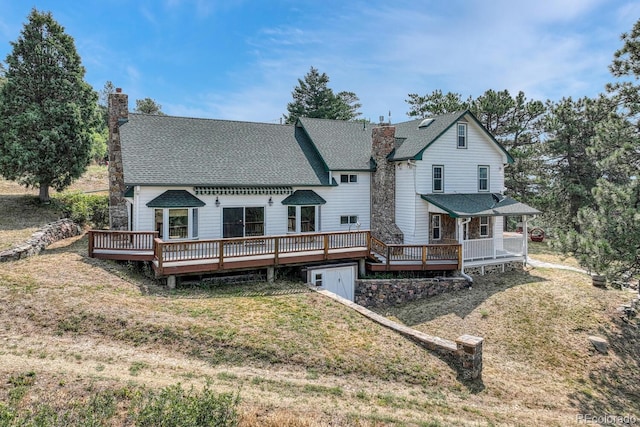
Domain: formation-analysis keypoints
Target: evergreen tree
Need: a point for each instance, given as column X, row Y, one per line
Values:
column 569, row 166
column 148, row 106
column 47, row 110
column 435, row 103
column 313, row 98
column 609, row 241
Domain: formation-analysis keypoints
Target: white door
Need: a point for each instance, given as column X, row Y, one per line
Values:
column 339, row 280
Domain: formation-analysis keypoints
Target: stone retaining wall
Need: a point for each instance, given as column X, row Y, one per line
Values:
column 42, row 238
column 388, row 292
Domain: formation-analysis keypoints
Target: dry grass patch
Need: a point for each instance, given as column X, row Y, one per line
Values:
column 22, row 214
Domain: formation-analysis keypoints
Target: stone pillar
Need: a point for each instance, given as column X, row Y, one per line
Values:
column 271, row 274
column 118, row 114
column 171, row 282
column 470, row 354
column 383, row 187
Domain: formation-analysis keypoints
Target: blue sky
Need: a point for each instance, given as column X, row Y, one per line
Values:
column 240, row 60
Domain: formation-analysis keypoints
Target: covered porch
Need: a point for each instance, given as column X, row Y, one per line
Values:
column 476, row 221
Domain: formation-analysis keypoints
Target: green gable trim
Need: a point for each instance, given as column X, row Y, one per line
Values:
column 479, row 204
column 128, row 192
column 418, row 156
column 176, row 199
column 305, row 198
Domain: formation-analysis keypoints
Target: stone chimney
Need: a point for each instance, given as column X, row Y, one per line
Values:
column 118, row 114
column 383, row 187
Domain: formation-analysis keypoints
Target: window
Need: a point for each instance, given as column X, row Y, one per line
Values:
column 462, row 135
column 178, row 223
column 303, row 219
column 243, row 221
column 291, row 215
column 194, row 226
column 438, row 179
column 159, row 222
column 317, row 280
column 484, row 226
column 307, row 219
column 435, row 227
column 345, row 178
column 349, row 219
column 483, row 178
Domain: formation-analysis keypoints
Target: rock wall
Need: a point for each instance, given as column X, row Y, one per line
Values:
column 383, row 187
column 118, row 114
column 388, row 292
column 42, row 238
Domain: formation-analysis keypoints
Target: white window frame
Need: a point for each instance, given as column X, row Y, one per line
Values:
column 433, row 178
column 480, row 179
column 436, row 224
column 348, row 219
column 486, row 223
column 348, row 178
column 192, row 225
column 462, row 137
column 298, row 219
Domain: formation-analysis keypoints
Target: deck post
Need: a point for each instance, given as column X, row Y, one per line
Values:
column 90, row 244
column 362, row 269
column 276, row 250
column 171, row 282
column 271, row 274
column 326, row 246
column 424, row 257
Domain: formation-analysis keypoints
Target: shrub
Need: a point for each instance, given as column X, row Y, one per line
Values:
column 174, row 406
column 81, row 208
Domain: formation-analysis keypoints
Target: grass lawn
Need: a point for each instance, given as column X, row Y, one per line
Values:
column 74, row 327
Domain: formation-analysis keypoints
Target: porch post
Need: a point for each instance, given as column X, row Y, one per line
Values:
column 525, row 243
column 460, row 225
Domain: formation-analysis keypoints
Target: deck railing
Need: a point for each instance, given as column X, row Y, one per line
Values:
column 423, row 254
column 120, row 241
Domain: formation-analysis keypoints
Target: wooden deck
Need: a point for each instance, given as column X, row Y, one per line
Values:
column 204, row 256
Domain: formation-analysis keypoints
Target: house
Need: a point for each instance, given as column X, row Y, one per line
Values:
column 435, row 184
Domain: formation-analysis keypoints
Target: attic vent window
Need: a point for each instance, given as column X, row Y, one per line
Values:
column 425, row 123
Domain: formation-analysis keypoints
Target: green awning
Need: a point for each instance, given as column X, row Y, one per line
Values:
column 304, row 197
column 479, row 204
column 176, row 199
column 128, row 192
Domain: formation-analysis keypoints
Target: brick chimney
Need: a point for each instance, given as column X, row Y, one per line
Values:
column 118, row 114
column 383, row 187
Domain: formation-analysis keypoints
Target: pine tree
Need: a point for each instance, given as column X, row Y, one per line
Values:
column 313, row 98
column 47, row 110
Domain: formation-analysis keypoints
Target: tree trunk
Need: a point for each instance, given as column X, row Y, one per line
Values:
column 44, row 194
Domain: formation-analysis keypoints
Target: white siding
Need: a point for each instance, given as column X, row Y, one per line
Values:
column 461, row 164
column 406, row 200
column 352, row 198
column 344, row 199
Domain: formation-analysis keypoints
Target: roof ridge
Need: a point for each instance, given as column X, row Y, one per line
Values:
column 169, row 116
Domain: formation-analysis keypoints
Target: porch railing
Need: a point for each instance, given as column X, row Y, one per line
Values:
column 492, row 248
column 422, row 254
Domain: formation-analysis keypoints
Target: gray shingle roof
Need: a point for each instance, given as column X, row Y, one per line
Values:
column 344, row 146
column 166, row 150
column 483, row 204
